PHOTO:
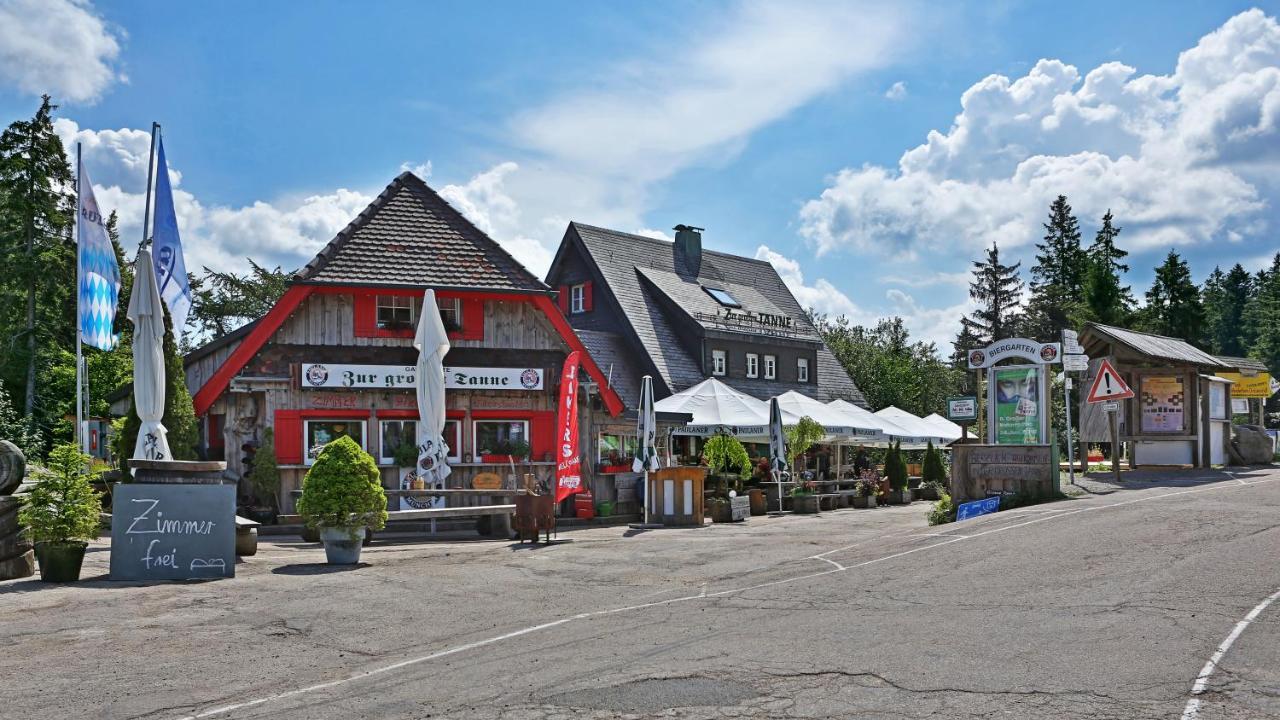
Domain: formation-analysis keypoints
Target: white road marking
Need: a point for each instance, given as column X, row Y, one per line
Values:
column 1202, row 680
column 685, row 598
column 827, row 560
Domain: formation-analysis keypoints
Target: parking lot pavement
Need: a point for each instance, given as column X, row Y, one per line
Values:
column 1105, row 606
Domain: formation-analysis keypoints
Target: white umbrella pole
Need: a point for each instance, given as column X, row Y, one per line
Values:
column 646, row 494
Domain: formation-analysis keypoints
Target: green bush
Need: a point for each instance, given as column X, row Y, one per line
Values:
column 343, row 489
column 895, row 468
column 264, row 478
column 943, row 511
column 933, row 472
column 63, row 506
column 725, row 454
column 801, row 437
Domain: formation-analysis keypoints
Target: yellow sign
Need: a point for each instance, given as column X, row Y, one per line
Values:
column 1249, row 386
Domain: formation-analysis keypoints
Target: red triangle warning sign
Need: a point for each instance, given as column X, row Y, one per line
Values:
column 1108, row 385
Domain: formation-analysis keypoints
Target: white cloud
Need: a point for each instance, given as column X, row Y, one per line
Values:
column 655, row 234
column 485, row 202
column 59, row 47
column 929, row 279
column 821, row 295
column 1180, row 159
column 422, row 170
column 896, row 91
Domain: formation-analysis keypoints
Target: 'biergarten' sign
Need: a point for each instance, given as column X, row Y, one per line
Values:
column 318, row 375
column 1022, row 348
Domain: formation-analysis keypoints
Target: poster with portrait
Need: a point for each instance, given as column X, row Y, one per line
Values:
column 1017, row 405
column 1162, row 404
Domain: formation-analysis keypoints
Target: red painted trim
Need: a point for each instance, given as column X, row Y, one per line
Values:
column 252, row 343
column 587, row 301
column 612, row 402
column 288, row 437
column 562, row 300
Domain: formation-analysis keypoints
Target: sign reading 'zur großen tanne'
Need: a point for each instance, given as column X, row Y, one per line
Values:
column 1036, row 352
column 405, row 377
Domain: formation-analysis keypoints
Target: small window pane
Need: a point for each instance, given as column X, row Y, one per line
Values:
column 802, row 370
column 395, row 311
column 497, row 437
column 577, row 299
column 450, row 313
column 770, row 367
column 753, row 365
column 395, row 433
column 323, row 432
column 723, row 297
column 718, row 362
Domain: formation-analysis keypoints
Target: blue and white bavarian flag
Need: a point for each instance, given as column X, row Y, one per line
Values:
column 166, row 251
column 99, row 274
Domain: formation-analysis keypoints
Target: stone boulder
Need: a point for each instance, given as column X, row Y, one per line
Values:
column 13, row 467
column 1252, row 445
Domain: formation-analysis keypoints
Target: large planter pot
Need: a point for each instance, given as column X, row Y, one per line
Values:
column 804, row 504
column 60, row 561
column 898, row 497
column 759, row 505
column 928, row 492
column 864, row 501
column 342, row 544
column 720, row 512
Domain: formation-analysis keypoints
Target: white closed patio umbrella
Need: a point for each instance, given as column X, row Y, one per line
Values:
column 646, row 459
column 146, row 312
column 432, row 342
column 777, row 446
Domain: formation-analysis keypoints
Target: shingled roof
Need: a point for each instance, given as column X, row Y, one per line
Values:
column 410, row 237
column 1158, row 347
column 638, row 268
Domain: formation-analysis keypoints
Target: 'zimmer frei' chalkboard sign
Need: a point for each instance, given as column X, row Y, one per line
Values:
column 173, row 532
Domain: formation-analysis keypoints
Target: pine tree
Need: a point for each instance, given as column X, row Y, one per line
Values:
column 1105, row 299
column 1262, row 314
column 1057, row 278
column 1173, row 303
column 1226, row 296
column 998, row 291
column 37, row 288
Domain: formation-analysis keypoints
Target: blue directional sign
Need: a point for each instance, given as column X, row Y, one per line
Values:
column 976, row 508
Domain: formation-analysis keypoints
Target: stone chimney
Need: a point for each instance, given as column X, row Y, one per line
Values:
column 688, row 249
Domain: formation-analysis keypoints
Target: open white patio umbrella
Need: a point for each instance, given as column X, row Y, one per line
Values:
column 777, row 446
column 921, row 432
column 860, row 416
column 146, row 312
column 432, row 342
column 646, row 459
column 839, row 425
column 717, row 408
column 949, row 431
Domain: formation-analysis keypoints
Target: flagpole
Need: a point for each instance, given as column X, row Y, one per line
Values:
column 82, row 439
column 151, row 174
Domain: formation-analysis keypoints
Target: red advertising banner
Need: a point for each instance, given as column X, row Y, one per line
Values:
column 568, row 460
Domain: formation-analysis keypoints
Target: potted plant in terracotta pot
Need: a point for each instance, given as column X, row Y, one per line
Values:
column 62, row 511
column 342, row 496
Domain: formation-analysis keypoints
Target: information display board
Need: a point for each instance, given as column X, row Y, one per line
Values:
column 1163, row 399
column 1017, row 414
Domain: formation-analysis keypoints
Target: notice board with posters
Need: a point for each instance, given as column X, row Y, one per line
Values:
column 1017, row 413
column 1162, row 404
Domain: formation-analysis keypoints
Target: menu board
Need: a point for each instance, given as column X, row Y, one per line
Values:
column 173, row 532
column 1162, row 404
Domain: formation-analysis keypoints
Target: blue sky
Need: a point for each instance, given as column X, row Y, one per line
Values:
column 775, row 126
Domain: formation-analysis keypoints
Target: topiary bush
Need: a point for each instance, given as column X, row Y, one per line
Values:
column 895, row 468
column 725, row 454
column 343, row 489
column 63, row 507
column 933, row 472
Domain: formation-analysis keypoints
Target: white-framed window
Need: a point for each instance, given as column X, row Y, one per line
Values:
column 578, row 298
column 753, row 365
column 318, row 433
column 395, row 311
column 616, row 449
column 450, row 312
column 392, row 434
column 719, row 362
column 499, row 437
column 770, row 367
column 802, row 370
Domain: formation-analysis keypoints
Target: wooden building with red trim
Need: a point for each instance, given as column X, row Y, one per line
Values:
column 334, row 356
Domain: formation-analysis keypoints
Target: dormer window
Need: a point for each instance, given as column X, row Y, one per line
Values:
column 578, row 299
column 723, row 297
column 395, row 311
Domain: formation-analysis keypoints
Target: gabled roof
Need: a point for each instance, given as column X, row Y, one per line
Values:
column 638, row 269
column 1157, row 347
column 410, row 237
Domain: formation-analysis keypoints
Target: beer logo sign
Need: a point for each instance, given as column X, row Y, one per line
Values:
column 1049, row 353
column 977, row 358
column 529, row 379
column 317, row 374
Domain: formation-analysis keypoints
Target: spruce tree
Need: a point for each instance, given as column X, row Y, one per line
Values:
column 1226, row 296
column 1057, row 278
column 37, row 288
column 1105, row 299
column 1174, row 306
column 997, row 289
column 1263, row 316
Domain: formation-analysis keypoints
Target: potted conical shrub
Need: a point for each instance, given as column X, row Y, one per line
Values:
column 63, row 512
column 341, row 496
column 896, row 470
column 933, row 475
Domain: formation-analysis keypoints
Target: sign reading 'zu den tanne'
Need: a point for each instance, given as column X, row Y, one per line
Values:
column 318, row 375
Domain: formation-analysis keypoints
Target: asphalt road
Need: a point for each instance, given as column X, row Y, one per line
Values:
column 1106, row 606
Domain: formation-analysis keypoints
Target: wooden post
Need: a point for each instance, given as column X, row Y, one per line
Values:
column 1115, row 444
